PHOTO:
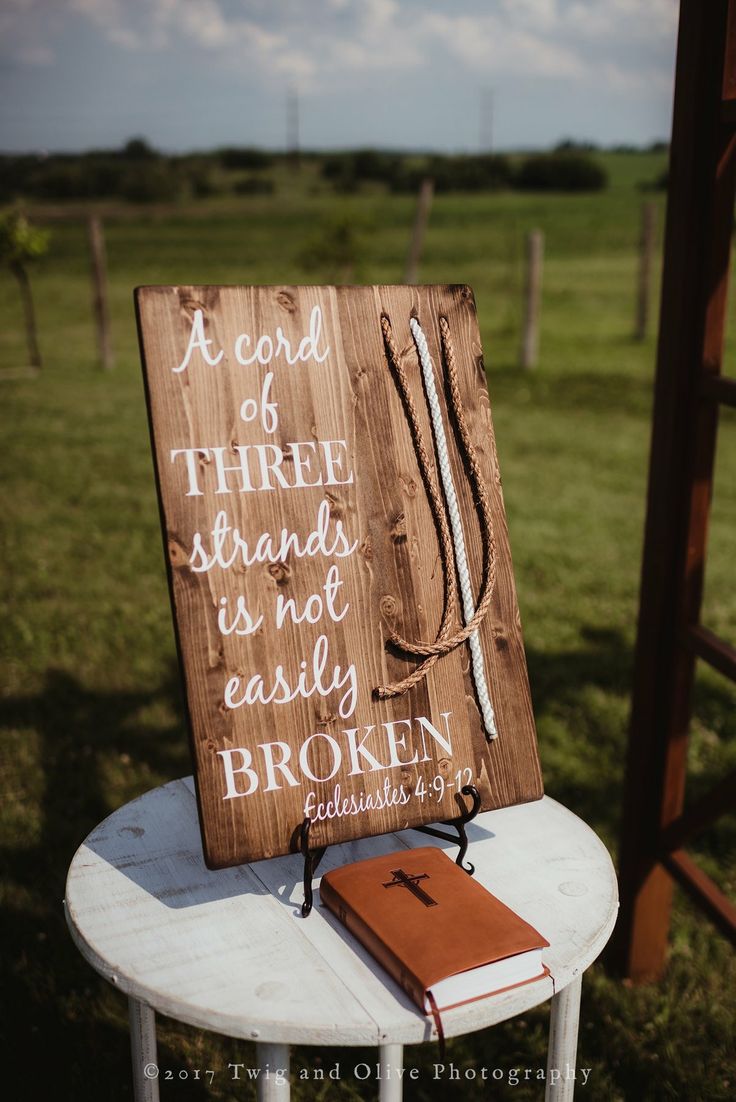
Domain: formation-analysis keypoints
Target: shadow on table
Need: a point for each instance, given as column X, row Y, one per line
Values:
column 155, row 842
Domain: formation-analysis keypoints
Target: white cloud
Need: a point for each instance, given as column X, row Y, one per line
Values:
column 622, row 20
column 493, row 45
column 542, row 15
column 327, row 46
column 35, row 55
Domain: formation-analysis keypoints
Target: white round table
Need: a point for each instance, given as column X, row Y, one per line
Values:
column 229, row 951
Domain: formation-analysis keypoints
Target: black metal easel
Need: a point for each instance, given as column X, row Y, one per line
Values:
column 312, row 857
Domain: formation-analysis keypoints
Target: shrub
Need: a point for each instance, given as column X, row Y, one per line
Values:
column 254, row 185
column 252, row 159
column 486, row 172
column 138, row 149
column 346, row 171
column 15, row 172
column 83, row 178
column 371, row 164
column 573, row 145
column 136, row 171
column 661, row 182
column 560, row 172
column 334, row 249
column 149, row 182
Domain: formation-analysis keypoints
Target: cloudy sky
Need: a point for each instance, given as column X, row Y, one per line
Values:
column 193, row 74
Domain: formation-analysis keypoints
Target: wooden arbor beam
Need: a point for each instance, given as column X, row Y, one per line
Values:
column 697, row 250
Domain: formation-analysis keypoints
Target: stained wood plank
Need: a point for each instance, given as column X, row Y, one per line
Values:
column 315, row 439
column 720, row 388
column 720, row 800
column 701, row 888
column 715, row 651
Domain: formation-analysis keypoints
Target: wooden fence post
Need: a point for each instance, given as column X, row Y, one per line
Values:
column 532, row 298
column 421, row 218
column 646, row 253
column 99, row 291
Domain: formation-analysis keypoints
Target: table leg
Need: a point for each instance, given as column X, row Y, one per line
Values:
column 143, row 1051
column 563, row 1042
column 273, row 1059
column 391, row 1060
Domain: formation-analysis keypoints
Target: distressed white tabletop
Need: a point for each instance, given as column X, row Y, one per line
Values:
column 229, row 951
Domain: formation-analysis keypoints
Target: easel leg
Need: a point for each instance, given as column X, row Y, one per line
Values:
column 143, row 1051
column 563, row 1042
column 273, row 1081
column 391, row 1059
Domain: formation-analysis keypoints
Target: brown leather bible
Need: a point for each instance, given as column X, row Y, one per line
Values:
column 441, row 935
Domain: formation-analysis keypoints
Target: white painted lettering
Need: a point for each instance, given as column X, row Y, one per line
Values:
column 267, row 749
column 334, row 462
column 302, row 464
column 445, row 743
column 241, row 468
column 304, row 756
column 192, row 465
column 231, row 787
column 266, row 347
column 242, row 623
column 229, row 546
column 198, row 340
column 357, row 748
column 394, row 742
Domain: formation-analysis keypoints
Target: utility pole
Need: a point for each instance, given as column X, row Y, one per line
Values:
column 292, row 126
column 485, row 133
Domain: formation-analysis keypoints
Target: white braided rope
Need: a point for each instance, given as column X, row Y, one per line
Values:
column 456, row 527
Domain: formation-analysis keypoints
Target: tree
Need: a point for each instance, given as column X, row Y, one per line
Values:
column 138, row 149
column 21, row 244
column 333, row 250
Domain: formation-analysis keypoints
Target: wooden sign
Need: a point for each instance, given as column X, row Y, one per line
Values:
column 315, row 561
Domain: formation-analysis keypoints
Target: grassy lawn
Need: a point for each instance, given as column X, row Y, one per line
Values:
column 91, row 706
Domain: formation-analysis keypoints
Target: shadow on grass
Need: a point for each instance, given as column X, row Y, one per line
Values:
column 60, row 1025
column 583, row 746
column 594, row 392
column 604, row 659
column 76, row 728
column 583, row 695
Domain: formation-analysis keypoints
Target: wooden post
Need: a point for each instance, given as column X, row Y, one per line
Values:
column 292, row 128
column 421, row 218
column 646, row 252
column 99, row 291
column 532, row 299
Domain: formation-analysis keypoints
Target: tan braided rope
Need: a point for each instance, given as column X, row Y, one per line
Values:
column 426, row 467
column 444, row 645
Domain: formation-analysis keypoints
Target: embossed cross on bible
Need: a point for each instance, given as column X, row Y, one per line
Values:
column 402, row 879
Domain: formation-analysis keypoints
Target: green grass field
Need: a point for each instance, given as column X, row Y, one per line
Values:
column 92, row 713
